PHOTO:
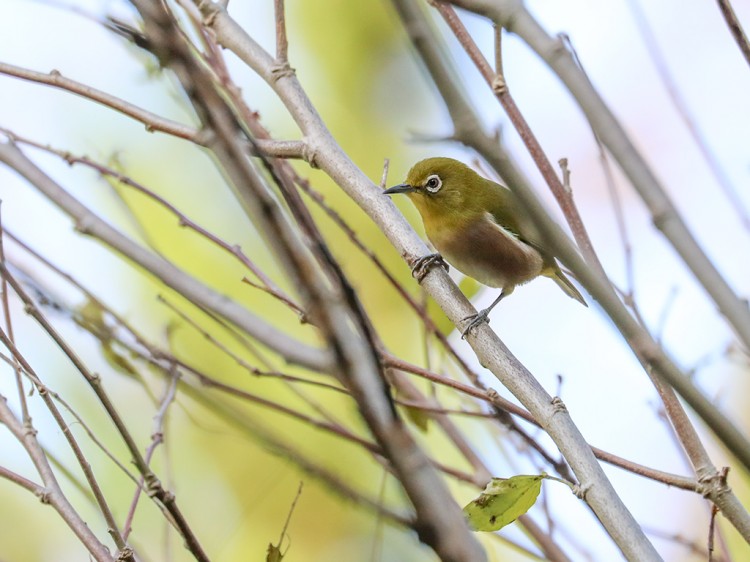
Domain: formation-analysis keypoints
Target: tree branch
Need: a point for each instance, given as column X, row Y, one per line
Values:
column 88, row 223
column 490, row 350
column 331, row 302
column 513, row 15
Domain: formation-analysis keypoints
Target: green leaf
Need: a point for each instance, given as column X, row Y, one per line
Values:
column 503, row 501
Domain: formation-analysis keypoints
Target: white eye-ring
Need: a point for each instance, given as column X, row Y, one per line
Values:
column 433, row 183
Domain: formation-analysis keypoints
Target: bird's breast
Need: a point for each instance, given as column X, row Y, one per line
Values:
column 484, row 250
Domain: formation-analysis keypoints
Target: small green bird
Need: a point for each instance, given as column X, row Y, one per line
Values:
column 481, row 228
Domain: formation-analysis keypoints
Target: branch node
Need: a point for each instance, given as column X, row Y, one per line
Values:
column 310, row 155
column 580, row 491
column 205, row 136
column 83, row 224
column 44, row 495
column 714, row 484
column 125, row 554
column 281, row 69
column 210, row 11
column 29, row 429
column 558, row 406
column 153, row 486
column 499, row 85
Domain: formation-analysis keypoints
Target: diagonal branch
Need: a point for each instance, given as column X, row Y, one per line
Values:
column 646, row 349
column 513, row 15
column 490, row 350
column 735, row 28
column 331, row 301
column 152, row 121
column 88, row 223
column 469, row 131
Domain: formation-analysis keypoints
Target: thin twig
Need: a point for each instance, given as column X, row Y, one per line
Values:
column 268, row 285
column 614, row 194
column 492, row 397
column 190, row 287
column 157, row 438
column 164, row 498
column 681, row 106
column 323, row 412
column 88, row 472
column 152, row 121
column 282, row 44
column 286, row 523
column 9, row 328
column 25, row 483
column 500, row 89
column 735, row 28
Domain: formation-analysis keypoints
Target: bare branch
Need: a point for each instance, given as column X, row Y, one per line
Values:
column 282, row 44
column 735, row 28
column 9, row 330
column 490, row 350
column 499, row 87
column 646, row 349
column 152, row 121
column 88, row 223
column 52, row 493
column 513, row 15
column 331, row 301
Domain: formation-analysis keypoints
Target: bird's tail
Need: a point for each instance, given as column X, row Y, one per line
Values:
column 566, row 285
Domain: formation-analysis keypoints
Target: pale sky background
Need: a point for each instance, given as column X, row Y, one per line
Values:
column 603, row 386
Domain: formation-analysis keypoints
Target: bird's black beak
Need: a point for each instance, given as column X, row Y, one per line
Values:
column 400, row 188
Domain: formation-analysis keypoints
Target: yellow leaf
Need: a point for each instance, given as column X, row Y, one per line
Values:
column 503, row 501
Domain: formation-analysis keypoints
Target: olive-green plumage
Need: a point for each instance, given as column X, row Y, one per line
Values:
column 480, row 228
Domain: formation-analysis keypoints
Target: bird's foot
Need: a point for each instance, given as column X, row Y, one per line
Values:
column 476, row 320
column 422, row 266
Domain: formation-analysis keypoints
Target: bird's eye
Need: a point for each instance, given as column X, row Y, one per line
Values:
column 433, row 183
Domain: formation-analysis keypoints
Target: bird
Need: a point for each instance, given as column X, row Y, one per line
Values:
column 479, row 227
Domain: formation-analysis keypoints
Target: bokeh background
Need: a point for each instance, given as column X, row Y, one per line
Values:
column 355, row 62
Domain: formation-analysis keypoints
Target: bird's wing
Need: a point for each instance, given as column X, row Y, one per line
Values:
column 509, row 214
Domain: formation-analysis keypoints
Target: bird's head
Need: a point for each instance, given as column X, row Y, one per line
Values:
column 440, row 187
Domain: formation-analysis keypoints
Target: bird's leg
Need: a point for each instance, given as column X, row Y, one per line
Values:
column 482, row 316
column 422, row 266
